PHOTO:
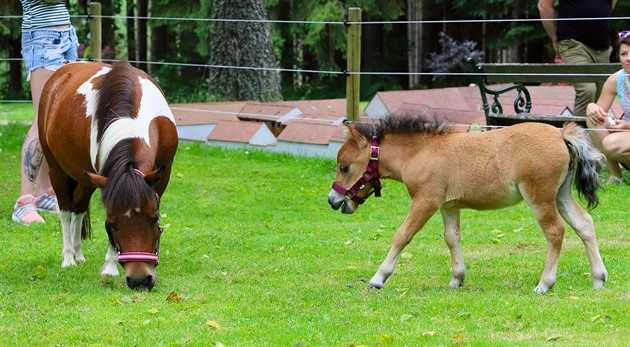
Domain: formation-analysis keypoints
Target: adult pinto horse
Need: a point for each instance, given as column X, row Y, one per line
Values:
column 448, row 171
column 109, row 127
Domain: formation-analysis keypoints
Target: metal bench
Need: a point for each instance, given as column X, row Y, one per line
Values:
column 520, row 75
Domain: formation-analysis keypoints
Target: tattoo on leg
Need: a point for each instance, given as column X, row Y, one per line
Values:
column 32, row 159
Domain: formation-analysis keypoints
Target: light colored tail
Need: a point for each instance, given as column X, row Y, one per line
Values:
column 585, row 162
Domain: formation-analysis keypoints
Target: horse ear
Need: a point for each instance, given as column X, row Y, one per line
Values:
column 351, row 133
column 154, row 176
column 98, row 180
column 347, row 130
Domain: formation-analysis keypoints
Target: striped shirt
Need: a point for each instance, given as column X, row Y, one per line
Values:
column 39, row 14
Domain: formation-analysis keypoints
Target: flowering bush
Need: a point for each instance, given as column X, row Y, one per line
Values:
column 453, row 56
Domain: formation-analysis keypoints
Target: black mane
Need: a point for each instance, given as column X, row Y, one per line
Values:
column 403, row 124
column 124, row 189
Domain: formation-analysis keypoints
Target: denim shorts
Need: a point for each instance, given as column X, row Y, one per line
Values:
column 48, row 48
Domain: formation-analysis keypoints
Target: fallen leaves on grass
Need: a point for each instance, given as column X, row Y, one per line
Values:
column 457, row 339
column 212, row 324
column 601, row 317
column 125, row 299
column 553, row 337
column 385, row 338
column 173, row 297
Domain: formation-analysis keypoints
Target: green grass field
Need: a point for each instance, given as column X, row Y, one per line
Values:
column 252, row 255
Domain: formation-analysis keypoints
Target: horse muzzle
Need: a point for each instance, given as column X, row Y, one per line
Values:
column 140, row 275
column 337, row 201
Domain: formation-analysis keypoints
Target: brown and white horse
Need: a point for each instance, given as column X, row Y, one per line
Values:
column 448, row 171
column 109, row 127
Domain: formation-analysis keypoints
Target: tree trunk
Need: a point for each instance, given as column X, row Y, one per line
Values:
column 141, row 34
column 288, row 57
column 131, row 29
column 15, row 68
column 108, row 30
column 159, row 45
column 414, row 35
column 243, row 44
column 12, row 47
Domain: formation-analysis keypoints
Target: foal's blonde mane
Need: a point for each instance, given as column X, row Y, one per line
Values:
column 403, row 124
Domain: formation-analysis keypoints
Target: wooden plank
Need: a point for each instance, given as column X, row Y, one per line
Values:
column 549, row 73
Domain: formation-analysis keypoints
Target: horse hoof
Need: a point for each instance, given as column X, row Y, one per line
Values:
column 67, row 262
column 80, row 258
column 599, row 279
column 455, row 284
column 375, row 285
column 540, row 290
column 109, row 270
column 599, row 284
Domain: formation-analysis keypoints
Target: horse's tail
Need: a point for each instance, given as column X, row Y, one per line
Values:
column 585, row 162
column 86, row 228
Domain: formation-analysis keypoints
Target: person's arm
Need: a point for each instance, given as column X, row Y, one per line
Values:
column 548, row 13
column 613, row 3
column 598, row 112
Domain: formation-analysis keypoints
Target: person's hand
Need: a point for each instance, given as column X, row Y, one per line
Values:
column 596, row 114
column 620, row 124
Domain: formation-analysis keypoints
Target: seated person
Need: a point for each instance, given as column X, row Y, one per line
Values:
column 610, row 134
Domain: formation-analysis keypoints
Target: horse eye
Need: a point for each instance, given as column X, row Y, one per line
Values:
column 110, row 227
column 344, row 168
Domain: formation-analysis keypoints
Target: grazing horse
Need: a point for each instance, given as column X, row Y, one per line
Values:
column 109, row 127
column 448, row 171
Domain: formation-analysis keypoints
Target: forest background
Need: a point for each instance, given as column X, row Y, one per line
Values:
column 408, row 36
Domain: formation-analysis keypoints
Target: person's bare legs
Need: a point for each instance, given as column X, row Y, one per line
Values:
column 34, row 171
column 598, row 133
column 616, row 146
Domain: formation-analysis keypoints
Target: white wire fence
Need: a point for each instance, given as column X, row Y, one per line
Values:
column 345, row 23
column 311, row 71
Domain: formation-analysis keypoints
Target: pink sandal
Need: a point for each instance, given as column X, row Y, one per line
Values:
column 46, row 203
column 25, row 211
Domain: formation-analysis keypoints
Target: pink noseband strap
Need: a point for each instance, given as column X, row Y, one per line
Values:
column 137, row 256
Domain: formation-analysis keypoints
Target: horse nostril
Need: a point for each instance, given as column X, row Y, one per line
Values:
column 150, row 282
column 141, row 282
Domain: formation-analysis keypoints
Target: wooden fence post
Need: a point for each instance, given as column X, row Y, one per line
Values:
column 353, row 79
column 95, row 31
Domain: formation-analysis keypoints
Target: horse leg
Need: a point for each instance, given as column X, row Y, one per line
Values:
column 418, row 215
column 553, row 227
column 453, row 236
column 75, row 226
column 67, row 253
column 70, row 220
column 110, row 268
column 582, row 223
column 71, row 231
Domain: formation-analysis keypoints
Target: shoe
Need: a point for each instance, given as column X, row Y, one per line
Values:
column 25, row 211
column 613, row 180
column 47, row 202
